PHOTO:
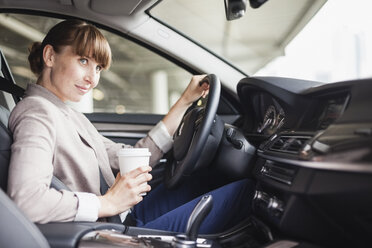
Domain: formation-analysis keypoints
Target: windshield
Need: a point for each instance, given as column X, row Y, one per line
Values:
column 316, row 40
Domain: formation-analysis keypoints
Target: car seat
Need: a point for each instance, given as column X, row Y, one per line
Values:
column 19, row 231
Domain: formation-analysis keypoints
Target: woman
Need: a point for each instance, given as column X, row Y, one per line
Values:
column 52, row 139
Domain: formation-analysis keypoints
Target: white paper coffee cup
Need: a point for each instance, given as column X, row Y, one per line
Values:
column 132, row 158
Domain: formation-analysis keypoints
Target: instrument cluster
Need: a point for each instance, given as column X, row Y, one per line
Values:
column 271, row 116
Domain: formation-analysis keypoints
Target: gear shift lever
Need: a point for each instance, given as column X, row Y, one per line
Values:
column 197, row 216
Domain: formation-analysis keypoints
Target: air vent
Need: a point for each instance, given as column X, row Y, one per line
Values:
column 289, row 144
column 278, row 172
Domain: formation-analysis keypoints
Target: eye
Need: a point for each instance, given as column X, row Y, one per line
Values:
column 84, row 61
column 99, row 68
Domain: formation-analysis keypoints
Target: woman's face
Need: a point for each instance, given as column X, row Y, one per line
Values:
column 71, row 76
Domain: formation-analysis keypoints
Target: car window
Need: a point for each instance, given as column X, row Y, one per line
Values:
column 139, row 80
column 331, row 38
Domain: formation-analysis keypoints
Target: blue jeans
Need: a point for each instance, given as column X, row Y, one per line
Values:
column 169, row 210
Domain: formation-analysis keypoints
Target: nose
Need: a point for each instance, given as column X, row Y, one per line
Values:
column 92, row 76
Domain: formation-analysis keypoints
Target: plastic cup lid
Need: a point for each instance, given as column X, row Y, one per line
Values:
column 138, row 152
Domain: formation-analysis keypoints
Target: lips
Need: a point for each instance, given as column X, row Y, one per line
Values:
column 82, row 89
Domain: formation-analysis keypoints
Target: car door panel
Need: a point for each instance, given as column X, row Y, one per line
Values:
column 124, row 128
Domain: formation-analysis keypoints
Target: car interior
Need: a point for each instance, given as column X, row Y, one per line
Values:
column 306, row 144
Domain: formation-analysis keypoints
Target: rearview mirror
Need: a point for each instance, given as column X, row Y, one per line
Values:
column 236, row 8
column 257, row 3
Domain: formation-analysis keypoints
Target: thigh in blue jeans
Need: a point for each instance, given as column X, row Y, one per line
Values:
column 169, row 210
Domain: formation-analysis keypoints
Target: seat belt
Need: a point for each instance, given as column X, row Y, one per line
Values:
column 11, row 88
column 103, row 188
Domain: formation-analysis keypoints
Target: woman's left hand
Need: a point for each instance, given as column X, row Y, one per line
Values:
column 194, row 91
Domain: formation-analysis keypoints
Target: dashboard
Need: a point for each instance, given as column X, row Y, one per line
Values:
column 314, row 157
column 269, row 112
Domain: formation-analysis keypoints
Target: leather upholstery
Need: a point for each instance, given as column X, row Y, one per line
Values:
column 19, row 231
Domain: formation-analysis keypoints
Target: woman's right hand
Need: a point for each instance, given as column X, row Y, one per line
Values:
column 125, row 192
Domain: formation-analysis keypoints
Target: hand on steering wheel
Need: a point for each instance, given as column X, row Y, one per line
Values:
column 197, row 137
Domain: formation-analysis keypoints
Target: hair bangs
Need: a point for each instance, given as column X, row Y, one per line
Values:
column 89, row 42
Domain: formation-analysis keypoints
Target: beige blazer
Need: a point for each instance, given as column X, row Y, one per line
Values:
column 50, row 138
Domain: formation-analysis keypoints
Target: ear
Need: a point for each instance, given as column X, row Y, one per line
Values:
column 48, row 55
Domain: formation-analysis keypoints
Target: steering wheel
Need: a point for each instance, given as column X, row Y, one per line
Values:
column 192, row 135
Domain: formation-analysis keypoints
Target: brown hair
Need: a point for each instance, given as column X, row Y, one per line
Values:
column 85, row 39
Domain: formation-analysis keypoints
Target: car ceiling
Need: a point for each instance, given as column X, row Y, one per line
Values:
column 265, row 39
